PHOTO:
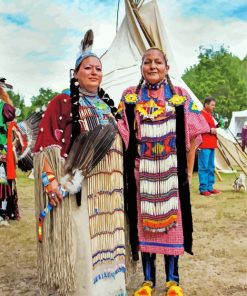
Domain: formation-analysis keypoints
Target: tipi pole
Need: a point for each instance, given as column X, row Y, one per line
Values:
column 141, row 23
column 218, row 174
column 236, row 160
column 117, row 15
column 236, row 141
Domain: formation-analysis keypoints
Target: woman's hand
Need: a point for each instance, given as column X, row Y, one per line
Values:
column 54, row 195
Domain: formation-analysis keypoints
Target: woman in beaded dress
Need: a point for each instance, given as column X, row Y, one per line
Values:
column 157, row 121
column 83, row 246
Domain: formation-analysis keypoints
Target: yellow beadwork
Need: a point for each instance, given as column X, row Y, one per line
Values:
column 177, row 100
column 149, row 109
column 173, row 289
column 194, row 107
column 131, row 98
column 145, row 290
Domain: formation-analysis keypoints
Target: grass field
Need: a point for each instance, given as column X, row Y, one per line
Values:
column 218, row 267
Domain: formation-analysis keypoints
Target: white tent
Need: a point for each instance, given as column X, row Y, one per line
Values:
column 237, row 122
column 141, row 28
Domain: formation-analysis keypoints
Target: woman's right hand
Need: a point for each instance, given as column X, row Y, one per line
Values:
column 54, row 195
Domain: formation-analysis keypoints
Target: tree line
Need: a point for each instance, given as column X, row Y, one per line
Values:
column 218, row 73
column 221, row 75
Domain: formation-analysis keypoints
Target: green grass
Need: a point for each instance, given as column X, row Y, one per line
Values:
column 218, row 266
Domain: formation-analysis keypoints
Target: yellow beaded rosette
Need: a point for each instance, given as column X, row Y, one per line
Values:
column 131, row 98
column 177, row 100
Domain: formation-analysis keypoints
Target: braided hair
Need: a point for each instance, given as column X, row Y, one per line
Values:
column 74, row 93
column 106, row 99
column 76, row 128
column 139, row 85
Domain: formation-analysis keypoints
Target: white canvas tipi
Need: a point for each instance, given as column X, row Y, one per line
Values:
column 141, row 28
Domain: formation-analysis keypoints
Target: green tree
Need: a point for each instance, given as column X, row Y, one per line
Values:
column 19, row 103
column 42, row 99
column 222, row 75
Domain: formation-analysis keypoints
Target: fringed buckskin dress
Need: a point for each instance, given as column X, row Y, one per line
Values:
column 83, row 248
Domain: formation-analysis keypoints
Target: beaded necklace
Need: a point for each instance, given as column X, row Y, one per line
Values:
column 154, row 86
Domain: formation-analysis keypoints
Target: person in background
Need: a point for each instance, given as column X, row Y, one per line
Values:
column 206, row 151
column 244, row 136
column 8, row 193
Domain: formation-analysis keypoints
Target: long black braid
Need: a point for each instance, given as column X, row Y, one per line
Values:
column 74, row 93
column 168, row 79
column 76, row 128
column 139, row 85
column 106, row 99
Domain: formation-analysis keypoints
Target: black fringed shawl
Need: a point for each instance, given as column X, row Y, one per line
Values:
column 130, row 184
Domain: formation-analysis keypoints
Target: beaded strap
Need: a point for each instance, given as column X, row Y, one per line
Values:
column 47, row 178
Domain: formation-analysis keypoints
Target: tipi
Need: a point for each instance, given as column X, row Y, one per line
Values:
column 141, row 28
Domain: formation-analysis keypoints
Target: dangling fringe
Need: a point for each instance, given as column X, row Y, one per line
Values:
column 106, row 214
column 158, row 176
column 56, row 269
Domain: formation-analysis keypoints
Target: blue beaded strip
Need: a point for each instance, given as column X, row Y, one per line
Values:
column 45, row 179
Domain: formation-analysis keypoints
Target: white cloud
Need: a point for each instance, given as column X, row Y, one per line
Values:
column 186, row 34
column 41, row 54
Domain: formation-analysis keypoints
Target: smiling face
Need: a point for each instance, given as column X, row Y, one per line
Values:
column 154, row 68
column 89, row 74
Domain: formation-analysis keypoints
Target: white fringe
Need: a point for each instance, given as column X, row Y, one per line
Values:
column 157, row 166
column 159, row 208
column 158, row 130
column 158, row 187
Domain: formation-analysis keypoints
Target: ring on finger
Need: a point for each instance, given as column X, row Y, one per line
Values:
column 52, row 195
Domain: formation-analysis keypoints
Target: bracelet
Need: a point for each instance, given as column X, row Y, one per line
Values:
column 47, row 178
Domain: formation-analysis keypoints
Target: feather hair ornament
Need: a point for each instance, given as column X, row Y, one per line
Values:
column 87, row 41
column 86, row 152
column 85, row 48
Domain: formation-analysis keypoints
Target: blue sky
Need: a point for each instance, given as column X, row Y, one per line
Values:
column 39, row 39
column 217, row 10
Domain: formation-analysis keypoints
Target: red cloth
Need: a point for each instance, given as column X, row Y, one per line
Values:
column 244, row 137
column 209, row 141
column 56, row 126
column 10, row 159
